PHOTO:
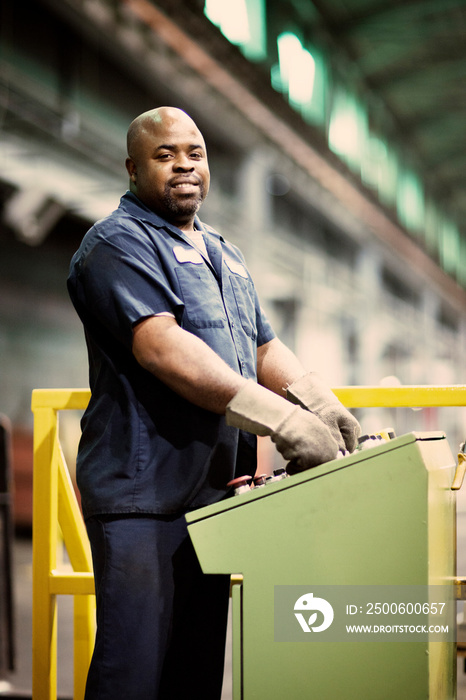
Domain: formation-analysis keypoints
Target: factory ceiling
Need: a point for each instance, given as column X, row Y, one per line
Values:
column 406, row 59
column 410, row 55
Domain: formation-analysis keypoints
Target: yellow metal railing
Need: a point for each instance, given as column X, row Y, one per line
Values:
column 57, row 519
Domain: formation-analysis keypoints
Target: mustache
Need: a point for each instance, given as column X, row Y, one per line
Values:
column 187, row 179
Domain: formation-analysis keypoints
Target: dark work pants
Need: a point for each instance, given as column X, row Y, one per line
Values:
column 161, row 622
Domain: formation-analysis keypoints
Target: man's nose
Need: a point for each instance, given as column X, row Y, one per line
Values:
column 183, row 162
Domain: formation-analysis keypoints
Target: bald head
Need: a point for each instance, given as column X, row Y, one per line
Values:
column 152, row 121
column 167, row 164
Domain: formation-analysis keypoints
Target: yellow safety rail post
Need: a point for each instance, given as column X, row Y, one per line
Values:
column 55, row 506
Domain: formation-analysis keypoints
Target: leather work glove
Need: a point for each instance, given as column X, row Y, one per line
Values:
column 300, row 436
column 312, row 393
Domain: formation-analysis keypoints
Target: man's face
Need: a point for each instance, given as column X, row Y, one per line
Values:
column 169, row 170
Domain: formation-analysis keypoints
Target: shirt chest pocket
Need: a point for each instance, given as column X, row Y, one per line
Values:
column 201, row 296
column 244, row 296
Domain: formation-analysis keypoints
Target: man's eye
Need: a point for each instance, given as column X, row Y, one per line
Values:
column 196, row 155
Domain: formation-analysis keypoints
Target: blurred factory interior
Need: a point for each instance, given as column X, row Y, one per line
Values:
column 335, row 135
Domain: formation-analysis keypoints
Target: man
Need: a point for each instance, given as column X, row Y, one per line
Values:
column 176, row 339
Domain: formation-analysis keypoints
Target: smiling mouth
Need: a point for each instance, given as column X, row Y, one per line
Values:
column 184, row 185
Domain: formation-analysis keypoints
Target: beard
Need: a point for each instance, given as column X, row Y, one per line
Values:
column 180, row 205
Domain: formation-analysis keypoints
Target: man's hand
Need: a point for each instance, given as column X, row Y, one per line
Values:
column 311, row 393
column 300, row 436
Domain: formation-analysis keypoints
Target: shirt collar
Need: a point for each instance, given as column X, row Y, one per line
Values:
column 132, row 205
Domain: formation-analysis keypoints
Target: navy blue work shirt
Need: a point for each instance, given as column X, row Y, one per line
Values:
column 145, row 449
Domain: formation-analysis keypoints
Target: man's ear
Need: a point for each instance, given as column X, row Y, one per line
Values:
column 131, row 168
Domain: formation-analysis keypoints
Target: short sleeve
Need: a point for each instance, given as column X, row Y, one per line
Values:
column 265, row 332
column 120, row 279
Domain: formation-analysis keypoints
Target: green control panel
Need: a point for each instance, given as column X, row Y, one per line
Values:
column 383, row 520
